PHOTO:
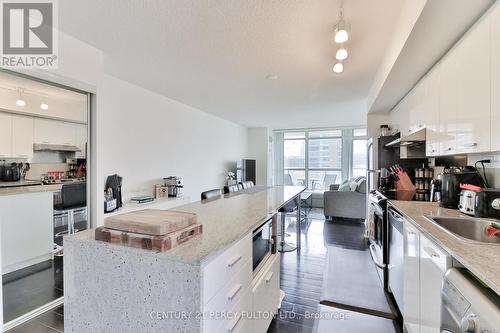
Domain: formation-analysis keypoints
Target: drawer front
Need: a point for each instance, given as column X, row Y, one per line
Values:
column 232, row 320
column 219, row 271
column 266, row 293
column 232, row 292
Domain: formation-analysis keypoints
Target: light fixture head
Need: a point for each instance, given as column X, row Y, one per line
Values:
column 20, row 101
column 44, row 106
column 341, row 35
column 341, row 53
column 338, row 67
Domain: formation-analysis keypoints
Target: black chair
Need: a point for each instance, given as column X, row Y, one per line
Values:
column 73, row 196
column 247, row 184
column 211, row 194
column 231, row 188
column 282, row 245
column 240, row 187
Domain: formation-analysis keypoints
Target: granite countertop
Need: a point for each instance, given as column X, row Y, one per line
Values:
column 483, row 260
column 225, row 221
column 30, row 189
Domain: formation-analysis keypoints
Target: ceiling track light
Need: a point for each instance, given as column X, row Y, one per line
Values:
column 342, row 53
column 20, row 101
column 338, row 67
column 340, row 29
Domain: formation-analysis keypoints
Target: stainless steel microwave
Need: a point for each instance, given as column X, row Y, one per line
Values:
column 264, row 244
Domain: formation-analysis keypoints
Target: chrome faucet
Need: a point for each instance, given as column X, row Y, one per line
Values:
column 496, row 204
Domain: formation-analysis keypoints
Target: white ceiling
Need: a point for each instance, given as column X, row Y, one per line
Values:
column 215, row 54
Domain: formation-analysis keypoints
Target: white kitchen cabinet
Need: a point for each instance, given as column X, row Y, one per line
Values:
column 495, row 78
column 417, row 106
column 431, row 113
column 5, row 135
column 399, row 118
column 266, row 294
column 22, row 136
column 448, row 90
column 473, row 132
column 411, row 311
column 434, row 262
column 54, row 132
column 81, row 140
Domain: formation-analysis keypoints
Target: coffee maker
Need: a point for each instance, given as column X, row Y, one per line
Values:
column 450, row 182
column 174, row 184
column 113, row 193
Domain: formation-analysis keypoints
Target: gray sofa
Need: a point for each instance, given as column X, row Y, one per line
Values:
column 346, row 204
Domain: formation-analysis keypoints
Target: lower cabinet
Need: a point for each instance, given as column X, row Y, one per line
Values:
column 266, row 295
column 234, row 299
column 425, row 266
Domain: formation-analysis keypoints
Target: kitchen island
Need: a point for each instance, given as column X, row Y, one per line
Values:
column 204, row 285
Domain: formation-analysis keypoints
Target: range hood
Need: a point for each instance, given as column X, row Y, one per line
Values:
column 415, row 137
column 55, row 147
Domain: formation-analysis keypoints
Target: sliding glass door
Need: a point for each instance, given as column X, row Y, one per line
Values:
column 319, row 158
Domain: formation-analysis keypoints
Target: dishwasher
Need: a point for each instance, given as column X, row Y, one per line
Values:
column 396, row 257
column 467, row 305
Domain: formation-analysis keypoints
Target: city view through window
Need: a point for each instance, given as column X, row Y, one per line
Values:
column 318, row 159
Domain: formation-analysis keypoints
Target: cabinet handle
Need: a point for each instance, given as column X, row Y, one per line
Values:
column 450, row 148
column 233, row 292
column 471, row 145
column 234, row 261
column 269, row 277
column 420, row 126
column 233, row 324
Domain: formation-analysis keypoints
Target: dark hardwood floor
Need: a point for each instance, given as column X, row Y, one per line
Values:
column 302, row 272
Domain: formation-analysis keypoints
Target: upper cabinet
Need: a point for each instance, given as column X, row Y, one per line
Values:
column 431, row 112
column 458, row 102
column 448, row 106
column 5, row 135
column 81, row 140
column 22, row 137
column 54, row 132
column 473, row 86
column 495, row 79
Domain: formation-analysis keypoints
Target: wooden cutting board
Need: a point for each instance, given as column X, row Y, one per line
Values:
column 155, row 222
column 148, row 242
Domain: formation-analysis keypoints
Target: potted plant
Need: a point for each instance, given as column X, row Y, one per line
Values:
column 230, row 178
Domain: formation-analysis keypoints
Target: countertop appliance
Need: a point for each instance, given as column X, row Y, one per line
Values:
column 396, row 257
column 114, row 188
column 467, row 201
column 467, row 305
column 450, row 186
column 263, row 244
column 378, row 233
column 485, row 204
column 11, row 172
column 174, row 184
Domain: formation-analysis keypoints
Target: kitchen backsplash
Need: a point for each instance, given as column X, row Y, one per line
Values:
column 38, row 169
column 492, row 169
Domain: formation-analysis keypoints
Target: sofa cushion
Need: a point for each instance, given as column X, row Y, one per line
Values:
column 345, row 186
column 361, row 185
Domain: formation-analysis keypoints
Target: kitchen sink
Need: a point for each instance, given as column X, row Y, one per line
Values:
column 470, row 229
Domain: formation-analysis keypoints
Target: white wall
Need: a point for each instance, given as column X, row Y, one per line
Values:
column 259, row 149
column 146, row 136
